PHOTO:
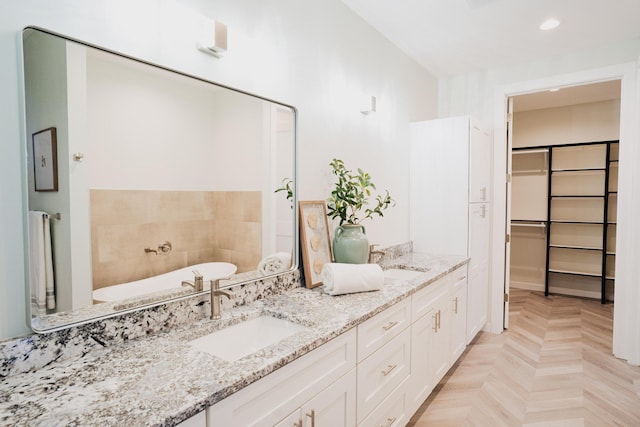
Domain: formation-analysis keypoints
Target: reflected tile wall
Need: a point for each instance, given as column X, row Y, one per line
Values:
column 202, row 226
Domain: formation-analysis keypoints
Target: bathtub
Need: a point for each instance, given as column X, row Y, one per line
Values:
column 166, row 281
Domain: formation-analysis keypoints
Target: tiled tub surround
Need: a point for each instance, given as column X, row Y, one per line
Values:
column 202, row 226
column 160, row 380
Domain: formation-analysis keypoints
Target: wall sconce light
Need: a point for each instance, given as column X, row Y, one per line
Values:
column 370, row 107
column 213, row 38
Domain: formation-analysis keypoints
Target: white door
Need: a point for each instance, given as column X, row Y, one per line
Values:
column 507, row 249
column 335, row 406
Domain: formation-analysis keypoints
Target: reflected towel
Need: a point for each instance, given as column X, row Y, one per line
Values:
column 40, row 263
column 275, row 263
column 350, row 278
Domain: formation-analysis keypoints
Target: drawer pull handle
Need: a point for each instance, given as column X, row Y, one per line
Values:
column 389, row 369
column 390, row 422
column 389, row 325
column 312, row 415
column 439, row 318
column 455, row 305
column 435, row 322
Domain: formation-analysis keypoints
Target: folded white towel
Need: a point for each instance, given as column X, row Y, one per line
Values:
column 40, row 263
column 350, row 278
column 275, row 263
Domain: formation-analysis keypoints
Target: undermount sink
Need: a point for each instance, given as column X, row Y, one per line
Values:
column 401, row 274
column 245, row 338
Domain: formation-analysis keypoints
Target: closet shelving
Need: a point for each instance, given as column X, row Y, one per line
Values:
column 580, row 212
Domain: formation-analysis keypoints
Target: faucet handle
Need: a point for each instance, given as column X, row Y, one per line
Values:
column 215, row 284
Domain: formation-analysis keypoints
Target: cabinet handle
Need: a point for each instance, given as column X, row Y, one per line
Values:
column 435, row 322
column 389, row 369
column 390, row 422
column 312, row 415
column 461, row 278
column 483, row 190
column 455, row 305
column 438, row 319
column 484, row 211
column 389, row 325
column 298, row 424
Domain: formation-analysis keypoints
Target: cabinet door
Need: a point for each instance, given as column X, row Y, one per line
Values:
column 478, row 284
column 420, row 384
column 480, row 154
column 439, row 355
column 438, row 213
column 335, row 406
column 293, row 420
column 459, row 314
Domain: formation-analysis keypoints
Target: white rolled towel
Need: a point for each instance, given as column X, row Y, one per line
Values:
column 275, row 263
column 341, row 278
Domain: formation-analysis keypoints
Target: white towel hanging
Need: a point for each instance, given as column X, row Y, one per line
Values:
column 41, row 263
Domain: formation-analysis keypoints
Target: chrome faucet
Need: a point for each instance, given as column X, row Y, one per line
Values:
column 216, row 293
column 198, row 282
column 373, row 252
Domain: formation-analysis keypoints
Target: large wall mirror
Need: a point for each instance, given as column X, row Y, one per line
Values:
column 138, row 176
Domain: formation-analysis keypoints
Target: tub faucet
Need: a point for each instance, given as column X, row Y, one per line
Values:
column 216, row 293
column 373, row 252
column 198, row 282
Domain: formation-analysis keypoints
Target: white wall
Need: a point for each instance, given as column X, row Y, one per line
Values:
column 315, row 55
column 596, row 121
column 473, row 93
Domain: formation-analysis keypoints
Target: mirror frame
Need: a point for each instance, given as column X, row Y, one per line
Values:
column 97, row 312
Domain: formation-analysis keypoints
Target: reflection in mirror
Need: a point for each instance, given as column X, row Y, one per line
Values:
column 159, row 175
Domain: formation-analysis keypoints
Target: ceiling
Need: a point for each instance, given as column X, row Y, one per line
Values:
column 450, row 37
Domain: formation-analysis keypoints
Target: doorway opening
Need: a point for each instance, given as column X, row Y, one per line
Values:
column 561, row 210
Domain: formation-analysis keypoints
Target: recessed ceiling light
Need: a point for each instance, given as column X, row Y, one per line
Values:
column 549, row 24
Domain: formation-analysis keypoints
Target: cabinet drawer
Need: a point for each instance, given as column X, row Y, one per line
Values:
column 425, row 299
column 392, row 412
column 459, row 277
column 382, row 372
column 380, row 329
column 279, row 394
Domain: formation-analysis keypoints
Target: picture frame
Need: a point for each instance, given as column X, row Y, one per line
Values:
column 314, row 239
column 45, row 160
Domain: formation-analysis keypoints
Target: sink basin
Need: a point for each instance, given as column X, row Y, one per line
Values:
column 243, row 339
column 401, row 274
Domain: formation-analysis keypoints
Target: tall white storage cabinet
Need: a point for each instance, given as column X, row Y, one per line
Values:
column 450, row 194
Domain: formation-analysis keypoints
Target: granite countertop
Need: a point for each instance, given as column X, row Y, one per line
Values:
column 161, row 380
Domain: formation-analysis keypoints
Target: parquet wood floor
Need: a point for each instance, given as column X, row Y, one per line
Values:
column 552, row 367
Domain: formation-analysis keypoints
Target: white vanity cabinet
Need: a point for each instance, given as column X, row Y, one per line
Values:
column 384, row 362
column 320, row 383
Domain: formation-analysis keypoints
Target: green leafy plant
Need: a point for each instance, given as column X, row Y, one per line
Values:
column 287, row 186
column 351, row 194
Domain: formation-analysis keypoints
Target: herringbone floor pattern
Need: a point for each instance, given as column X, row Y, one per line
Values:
column 552, row 367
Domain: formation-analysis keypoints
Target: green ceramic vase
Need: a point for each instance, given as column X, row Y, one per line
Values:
column 350, row 244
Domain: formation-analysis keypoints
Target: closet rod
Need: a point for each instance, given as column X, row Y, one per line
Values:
column 529, row 224
column 538, row 150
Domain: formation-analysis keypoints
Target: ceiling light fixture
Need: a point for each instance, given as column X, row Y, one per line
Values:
column 549, row 24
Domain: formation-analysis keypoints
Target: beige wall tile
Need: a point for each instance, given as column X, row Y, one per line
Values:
column 201, row 226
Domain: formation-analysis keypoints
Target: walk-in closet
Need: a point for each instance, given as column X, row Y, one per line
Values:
column 564, row 183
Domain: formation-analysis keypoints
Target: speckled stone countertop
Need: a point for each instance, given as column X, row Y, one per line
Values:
column 161, row 380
